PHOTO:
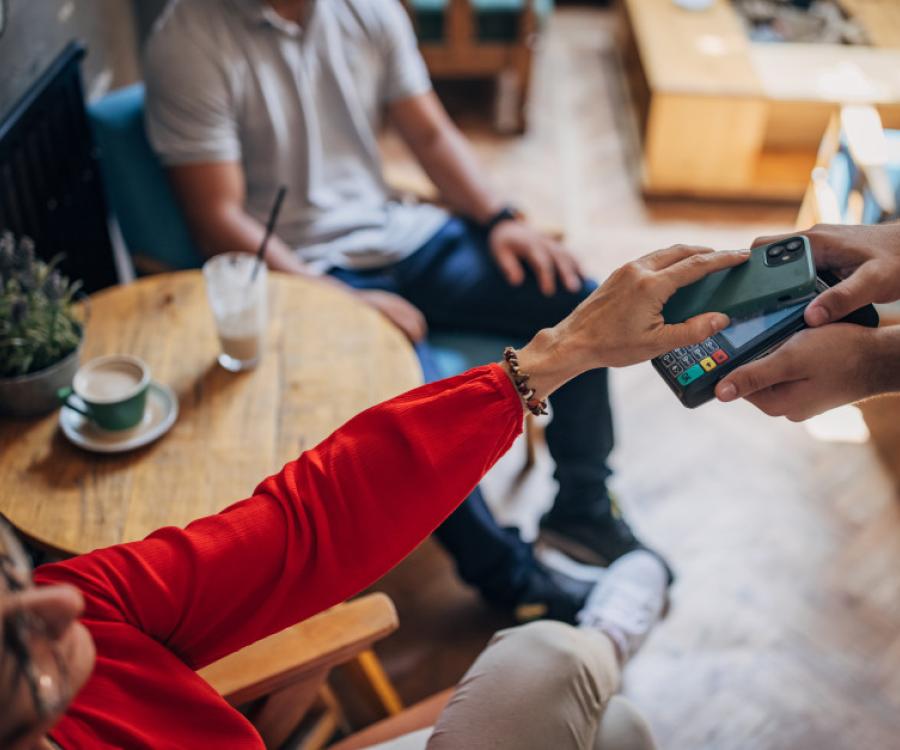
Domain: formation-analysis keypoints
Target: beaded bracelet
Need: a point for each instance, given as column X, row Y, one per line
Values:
column 536, row 406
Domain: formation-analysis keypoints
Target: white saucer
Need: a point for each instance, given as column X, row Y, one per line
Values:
column 159, row 416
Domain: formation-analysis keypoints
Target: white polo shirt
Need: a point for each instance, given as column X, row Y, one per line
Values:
column 231, row 80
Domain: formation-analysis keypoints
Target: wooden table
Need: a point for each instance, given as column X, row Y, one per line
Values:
column 327, row 357
column 720, row 116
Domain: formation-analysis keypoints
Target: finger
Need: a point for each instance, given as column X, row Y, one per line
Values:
column 696, row 266
column 860, row 288
column 664, row 258
column 774, row 369
column 768, row 240
column 544, row 269
column 55, row 606
column 784, row 400
column 567, row 268
column 693, row 330
column 509, row 266
column 413, row 322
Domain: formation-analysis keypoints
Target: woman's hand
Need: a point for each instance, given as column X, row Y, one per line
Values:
column 621, row 323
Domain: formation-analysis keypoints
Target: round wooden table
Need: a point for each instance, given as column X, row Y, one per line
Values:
column 327, row 357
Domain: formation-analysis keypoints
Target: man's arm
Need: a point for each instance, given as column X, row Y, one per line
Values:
column 449, row 161
column 212, row 198
column 445, row 155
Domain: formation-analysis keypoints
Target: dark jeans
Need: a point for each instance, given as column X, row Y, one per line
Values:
column 455, row 283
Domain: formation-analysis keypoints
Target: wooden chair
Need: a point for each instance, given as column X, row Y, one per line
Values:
column 479, row 38
column 281, row 682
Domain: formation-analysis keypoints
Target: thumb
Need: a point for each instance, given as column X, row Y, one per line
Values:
column 694, row 330
column 755, row 376
column 857, row 290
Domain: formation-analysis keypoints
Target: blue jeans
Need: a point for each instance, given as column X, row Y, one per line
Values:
column 454, row 281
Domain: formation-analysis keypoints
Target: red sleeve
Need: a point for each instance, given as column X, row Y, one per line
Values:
column 325, row 527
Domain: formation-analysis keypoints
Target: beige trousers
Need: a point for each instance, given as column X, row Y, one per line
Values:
column 542, row 686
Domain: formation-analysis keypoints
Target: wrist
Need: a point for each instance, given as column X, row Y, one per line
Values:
column 882, row 350
column 548, row 362
column 498, row 216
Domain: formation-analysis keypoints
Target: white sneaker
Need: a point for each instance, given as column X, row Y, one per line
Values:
column 562, row 563
column 627, row 602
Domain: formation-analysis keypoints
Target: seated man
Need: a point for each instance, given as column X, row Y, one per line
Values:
column 246, row 95
column 152, row 612
column 830, row 365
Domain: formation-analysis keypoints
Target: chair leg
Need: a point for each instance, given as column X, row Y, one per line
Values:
column 372, row 685
column 530, row 438
column 282, row 711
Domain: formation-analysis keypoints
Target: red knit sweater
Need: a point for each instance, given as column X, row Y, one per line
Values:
column 325, row 527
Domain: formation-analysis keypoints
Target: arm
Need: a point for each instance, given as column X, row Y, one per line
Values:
column 325, row 527
column 212, row 197
column 819, row 369
column 192, row 126
column 445, row 155
column 341, row 515
column 449, row 161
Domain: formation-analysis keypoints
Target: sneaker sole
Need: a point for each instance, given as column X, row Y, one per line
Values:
column 584, row 554
column 573, row 549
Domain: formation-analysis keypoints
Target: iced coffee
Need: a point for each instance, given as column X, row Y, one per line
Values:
column 237, row 298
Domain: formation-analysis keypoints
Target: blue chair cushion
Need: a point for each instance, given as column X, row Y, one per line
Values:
column 137, row 188
column 454, row 353
column 496, row 20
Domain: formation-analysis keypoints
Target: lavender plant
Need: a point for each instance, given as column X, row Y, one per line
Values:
column 38, row 324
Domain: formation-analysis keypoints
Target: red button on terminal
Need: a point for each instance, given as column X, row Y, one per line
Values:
column 720, row 356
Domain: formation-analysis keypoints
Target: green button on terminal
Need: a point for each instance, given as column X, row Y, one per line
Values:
column 691, row 374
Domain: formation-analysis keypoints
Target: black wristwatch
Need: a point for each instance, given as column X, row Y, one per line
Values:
column 507, row 213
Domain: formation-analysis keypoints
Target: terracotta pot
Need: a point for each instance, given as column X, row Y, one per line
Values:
column 34, row 395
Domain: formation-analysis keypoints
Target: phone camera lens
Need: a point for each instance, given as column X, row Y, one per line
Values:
column 775, row 252
column 794, row 245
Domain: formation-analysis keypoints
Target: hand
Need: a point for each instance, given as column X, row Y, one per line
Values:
column 867, row 257
column 813, row 371
column 621, row 323
column 513, row 243
column 405, row 315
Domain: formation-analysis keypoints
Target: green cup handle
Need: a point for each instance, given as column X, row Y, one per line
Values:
column 65, row 395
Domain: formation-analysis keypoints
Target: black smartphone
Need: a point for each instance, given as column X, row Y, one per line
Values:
column 692, row 372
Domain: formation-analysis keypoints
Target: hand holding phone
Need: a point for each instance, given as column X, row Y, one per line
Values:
column 693, row 372
column 775, row 276
column 867, row 258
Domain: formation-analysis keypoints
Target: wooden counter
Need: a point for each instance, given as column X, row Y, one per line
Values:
column 722, row 117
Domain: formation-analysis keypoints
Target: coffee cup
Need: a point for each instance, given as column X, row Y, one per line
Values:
column 110, row 391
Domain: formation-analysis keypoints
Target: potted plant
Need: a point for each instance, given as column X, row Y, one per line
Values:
column 40, row 333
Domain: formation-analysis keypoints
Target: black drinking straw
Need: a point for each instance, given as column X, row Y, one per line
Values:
column 270, row 225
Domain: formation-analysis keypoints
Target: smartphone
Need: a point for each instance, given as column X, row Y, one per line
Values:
column 692, row 372
column 775, row 276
